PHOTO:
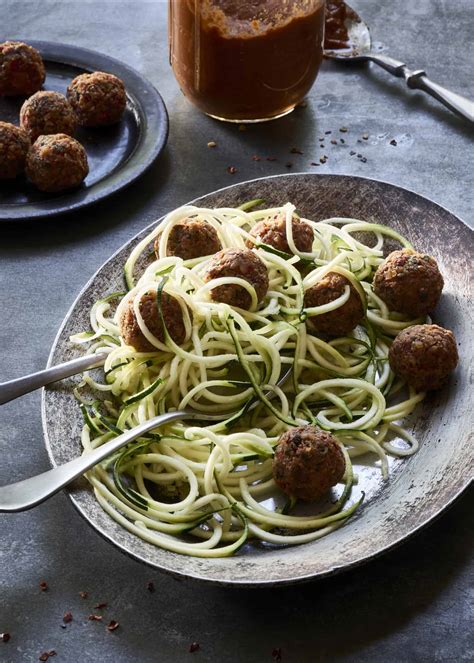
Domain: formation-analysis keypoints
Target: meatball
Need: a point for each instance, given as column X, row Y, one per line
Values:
column 21, row 69
column 172, row 315
column 191, row 238
column 98, row 99
column 47, row 113
column 409, row 282
column 14, row 146
column 342, row 320
column 424, row 356
column 273, row 233
column 307, row 463
column 56, row 163
column 239, row 263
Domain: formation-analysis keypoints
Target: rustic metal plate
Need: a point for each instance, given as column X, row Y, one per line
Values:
column 419, row 488
column 117, row 155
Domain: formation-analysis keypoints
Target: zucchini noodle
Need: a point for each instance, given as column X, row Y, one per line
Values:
column 206, row 490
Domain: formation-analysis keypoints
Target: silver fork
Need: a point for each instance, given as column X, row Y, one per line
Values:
column 28, row 493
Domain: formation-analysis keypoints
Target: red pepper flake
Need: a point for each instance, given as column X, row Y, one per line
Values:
column 276, row 654
column 150, row 586
column 365, row 136
column 289, row 164
column 43, row 586
column 393, row 142
column 343, row 130
column 295, row 150
column 83, row 595
column 100, row 606
column 256, row 158
column 328, row 132
column 95, row 618
column 272, row 159
column 333, row 142
column 112, row 625
column 67, row 617
column 194, row 646
column 5, row 637
column 47, row 654
column 231, row 170
column 313, row 163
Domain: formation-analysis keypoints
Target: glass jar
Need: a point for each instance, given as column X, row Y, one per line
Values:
column 246, row 61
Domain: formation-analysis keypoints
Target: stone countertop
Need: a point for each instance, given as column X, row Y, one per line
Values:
column 413, row 604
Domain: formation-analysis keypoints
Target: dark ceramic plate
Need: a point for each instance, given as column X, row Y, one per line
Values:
column 117, row 155
column 419, row 488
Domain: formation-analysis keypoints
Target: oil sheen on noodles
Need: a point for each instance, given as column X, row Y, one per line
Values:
column 205, row 490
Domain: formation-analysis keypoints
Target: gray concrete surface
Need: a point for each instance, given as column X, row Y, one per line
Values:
column 414, row 604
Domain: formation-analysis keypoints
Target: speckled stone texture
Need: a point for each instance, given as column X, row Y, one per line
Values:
column 413, row 604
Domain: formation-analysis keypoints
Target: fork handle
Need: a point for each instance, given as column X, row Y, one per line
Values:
column 26, row 494
column 20, row 386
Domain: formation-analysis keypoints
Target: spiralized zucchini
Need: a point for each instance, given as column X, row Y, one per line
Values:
column 205, row 490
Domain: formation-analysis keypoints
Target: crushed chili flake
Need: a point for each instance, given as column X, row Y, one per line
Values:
column 5, row 637
column 212, row 143
column 100, row 606
column 67, row 617
column 43, row 586
column 393, row 142
column 150, row 586
column 295, row 150
column 289, row 164
column 112, row 625
column 343, row 130
column 47, row 654
column 365, row 136
column 333, row 142
column 194, row 646
column 231, row 170
column 276, row 654
column 256, row 158
column 95, row 618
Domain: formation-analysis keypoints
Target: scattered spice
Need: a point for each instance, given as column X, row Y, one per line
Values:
column 67, row 617
column 328, row 132
column 364, row 159
column 289, row 164
column 365, row 136
column 322, row 145
column 343, row 130
column 212, row 143
column 150, row 586
column 352, row 153
column 231, row 170
column 342, row 140
column 43, row 586
column 313, row 163
column 194, row 646
column 359, row 156
column 272, row 159
column 256, row 158
column 393, row 142
column 83, row 595
column 112, row 625
column 276, row 654
column 100, row 606
column 323, row 159
column 95, row 618
column 47, row 654
column 295, row 150
column 333, row 142
column 5, row 637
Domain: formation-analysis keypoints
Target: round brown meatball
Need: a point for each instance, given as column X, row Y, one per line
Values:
column 409, row 282
column 56, row 163
column 14, row 146
column 342, row 320
column 307, row 463
column 98, row 99
column 191, row 238
column 424, row 356
column 172, row 315
column 239, row 263
column 47, row 113
column 21, row 69
column 273, row 233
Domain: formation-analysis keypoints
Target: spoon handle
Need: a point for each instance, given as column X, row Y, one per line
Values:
column 20, row 386
column 418, row 80
column 26, row 494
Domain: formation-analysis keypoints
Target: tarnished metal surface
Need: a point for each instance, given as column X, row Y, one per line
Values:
column 418, row 488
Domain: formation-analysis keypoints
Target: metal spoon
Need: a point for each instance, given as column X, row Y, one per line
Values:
column 26, row 494
column 359, row 50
